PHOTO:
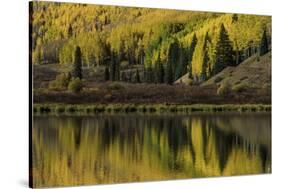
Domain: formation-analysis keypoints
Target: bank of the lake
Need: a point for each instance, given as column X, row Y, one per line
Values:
column 145, row 108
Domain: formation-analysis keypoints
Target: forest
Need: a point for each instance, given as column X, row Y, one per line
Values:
column 82, row 48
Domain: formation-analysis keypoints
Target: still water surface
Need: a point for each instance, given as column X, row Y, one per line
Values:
column 82, row 150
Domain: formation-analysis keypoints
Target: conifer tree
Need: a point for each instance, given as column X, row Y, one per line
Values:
column 159, row 71
column 169, row 68
column 149, row 74
column 263, row 44
column 113, row 66
column 77, row 64
column 172, row 61
column 190, row 53
column 206, row 58
column 224, row 51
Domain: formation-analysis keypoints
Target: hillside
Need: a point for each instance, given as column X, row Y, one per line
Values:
column 141, row 36
column 93, row 53
column 255, row 72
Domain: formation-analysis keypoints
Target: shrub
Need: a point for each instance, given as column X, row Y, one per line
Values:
column 75, row 85
column 218, row 79
column 224, row 89
column 239, row 88
column 115, row 86
column 61, row 81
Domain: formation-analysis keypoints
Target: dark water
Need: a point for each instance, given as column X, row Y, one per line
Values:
column 128, row 148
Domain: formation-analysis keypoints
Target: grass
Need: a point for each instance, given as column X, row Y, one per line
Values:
column 145, row 108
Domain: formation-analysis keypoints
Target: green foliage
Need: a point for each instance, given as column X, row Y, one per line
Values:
column 224, row 51
column 191, row 51
column 244, row 32
column 140, row 35
column 114, row 67
column 264, row 44
column 77, row 64
column 172, row 61
column 159, row 71
column 60, row 82
column 75, row 85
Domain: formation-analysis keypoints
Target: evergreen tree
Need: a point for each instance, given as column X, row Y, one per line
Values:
column 137, row 77
column 113, row 66
column 172, row 61
column 169, row 69
column 175, row 57
column 149, row 74
column 159, row 71
column 191, row 51
column 206, row 58
column 234, row 18
column 77, row 65
column 106, row 74
column 264, row 44
column 224, row 51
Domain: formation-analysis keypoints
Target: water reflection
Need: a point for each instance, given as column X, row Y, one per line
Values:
column 126, row 148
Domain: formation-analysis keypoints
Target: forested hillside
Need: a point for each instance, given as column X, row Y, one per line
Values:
column 167, row 43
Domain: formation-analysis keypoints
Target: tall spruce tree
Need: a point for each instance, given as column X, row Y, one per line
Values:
column 224, row 51
column 206, row 58
column 113, row 66
column 175, row 56
column 264, row 44
column 159, row 71
column 169, row 66
column 190, row 53
column 172, row 61
column 77, row 64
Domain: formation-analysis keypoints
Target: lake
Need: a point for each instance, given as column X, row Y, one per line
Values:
column 83, row 150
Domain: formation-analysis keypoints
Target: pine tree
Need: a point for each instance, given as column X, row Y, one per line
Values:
column 175, row 57
column 172, row 61
column 149, row 74
column 224, row 51
column 77, row 65
column 113, row 66
column 169, row 68
column 106, row 74
column 159, row 71
column 263, row 44
column 206, row 58
column 190, row 53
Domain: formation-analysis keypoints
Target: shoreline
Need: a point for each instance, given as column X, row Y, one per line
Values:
column 88, row 109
